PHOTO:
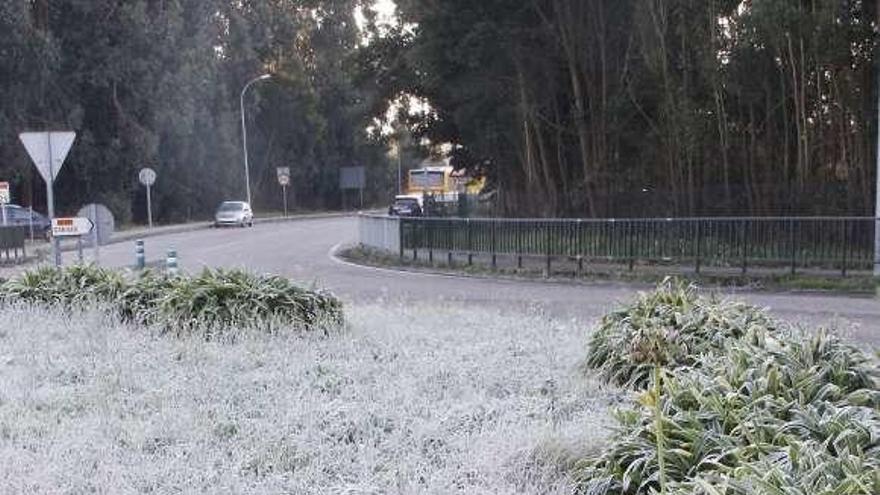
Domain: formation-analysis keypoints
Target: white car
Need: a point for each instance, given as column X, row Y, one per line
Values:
column 234, row 213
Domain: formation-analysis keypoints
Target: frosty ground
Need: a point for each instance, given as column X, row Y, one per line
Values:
column 439, row 400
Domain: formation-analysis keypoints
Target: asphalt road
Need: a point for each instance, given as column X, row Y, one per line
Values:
column 302, row 250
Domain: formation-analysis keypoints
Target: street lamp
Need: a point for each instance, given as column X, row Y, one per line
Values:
column 247, row 174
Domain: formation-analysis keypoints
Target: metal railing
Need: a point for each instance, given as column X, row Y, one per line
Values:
column 843, row 244
column 12, row 249
column 380, row 232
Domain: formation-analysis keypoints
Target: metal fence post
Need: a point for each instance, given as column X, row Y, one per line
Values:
column 493, row 246
column 430, row 241
column 630, row 244
column 698, row 246
column 450, row 244
column 470, row 246
column 401, row 236
column 845, row 246
column 579, row 232
column 519, row 245
column 745, row 246
column 416, row 237
column 793, row 247
column 547, row 249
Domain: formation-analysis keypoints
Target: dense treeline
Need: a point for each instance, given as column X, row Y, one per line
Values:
column 157, row 83
column 647, row 107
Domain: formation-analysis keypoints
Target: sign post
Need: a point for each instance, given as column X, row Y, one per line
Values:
column 4, row 200
column 48, row 151
column 353, row 178
column 72, row 227
column 147, row 177
column 96, row 234
column 284, row 181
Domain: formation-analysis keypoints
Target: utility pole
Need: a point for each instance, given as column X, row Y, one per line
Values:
column 877, row 178
column 399, row 168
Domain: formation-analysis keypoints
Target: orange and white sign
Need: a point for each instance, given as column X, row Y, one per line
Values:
column 4, row 193
column 73, row 226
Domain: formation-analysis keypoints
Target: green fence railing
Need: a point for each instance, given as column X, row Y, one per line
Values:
column 792, row 243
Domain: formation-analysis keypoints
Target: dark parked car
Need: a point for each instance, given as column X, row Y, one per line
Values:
column 22, row 217
column 406, row 206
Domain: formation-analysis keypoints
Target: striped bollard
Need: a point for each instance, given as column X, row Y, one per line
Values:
column 140, row 259
column 171, row 262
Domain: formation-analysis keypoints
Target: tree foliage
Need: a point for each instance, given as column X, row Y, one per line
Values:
column 157, row 83
column 647, row 107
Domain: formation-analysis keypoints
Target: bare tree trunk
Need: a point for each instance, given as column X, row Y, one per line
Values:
column 568, row 35
column 798, row 120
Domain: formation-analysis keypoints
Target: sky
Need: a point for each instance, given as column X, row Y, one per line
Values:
column 385, row 9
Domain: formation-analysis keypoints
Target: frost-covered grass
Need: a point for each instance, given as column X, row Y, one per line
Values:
column 403, row 401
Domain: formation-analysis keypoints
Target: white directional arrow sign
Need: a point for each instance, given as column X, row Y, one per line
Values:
column 73, row 226
column 48, row 150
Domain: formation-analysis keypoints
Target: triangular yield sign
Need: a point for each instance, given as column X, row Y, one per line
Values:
column 41, row 146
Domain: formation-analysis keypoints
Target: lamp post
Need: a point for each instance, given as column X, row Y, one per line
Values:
column 399, row 168
column 247, row 174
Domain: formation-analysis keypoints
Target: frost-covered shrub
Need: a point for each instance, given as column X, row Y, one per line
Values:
column 671, row 325
column 236, row 299
column 784, row 413
column 211, row 300
column 69, row 287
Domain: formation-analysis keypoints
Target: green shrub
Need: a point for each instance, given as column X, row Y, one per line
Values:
column 786, row 415
column 73, row 286
column 672, row 326
column 231, row 299
column 212, row 300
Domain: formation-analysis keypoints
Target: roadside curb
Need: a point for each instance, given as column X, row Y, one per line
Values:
column 335, row 254
column 192, row 227
column 336, row 251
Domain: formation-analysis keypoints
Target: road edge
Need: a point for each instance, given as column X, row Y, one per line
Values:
column 334, row 255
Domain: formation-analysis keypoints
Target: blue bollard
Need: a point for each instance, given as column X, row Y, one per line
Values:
column 140, row 259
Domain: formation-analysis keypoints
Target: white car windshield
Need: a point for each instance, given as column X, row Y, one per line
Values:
column 231, row 207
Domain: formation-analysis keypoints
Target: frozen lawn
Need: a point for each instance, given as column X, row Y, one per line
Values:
column 405, row 401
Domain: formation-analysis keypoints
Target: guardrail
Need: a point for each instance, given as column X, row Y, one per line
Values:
column 12, row 244
column 380, row 232
column 843, row 244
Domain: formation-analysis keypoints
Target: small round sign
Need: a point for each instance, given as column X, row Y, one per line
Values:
column 283, row 176
column 147, row 176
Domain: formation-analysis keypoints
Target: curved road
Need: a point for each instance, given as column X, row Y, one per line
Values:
column 302, row 250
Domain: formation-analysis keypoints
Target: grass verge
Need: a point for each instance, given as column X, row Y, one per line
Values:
column 771, row 281
column 409, row 400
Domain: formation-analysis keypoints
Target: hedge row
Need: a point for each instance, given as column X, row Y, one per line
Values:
column 212, row 300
